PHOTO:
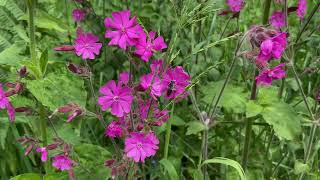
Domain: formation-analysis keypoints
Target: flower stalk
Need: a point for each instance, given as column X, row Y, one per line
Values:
column 168, row 135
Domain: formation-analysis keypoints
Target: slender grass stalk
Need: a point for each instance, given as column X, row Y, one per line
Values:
column 31, row 12
column 168, row 135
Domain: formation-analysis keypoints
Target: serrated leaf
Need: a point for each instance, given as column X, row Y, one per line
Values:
column 233, row 98
column 11, row 56
column 300, row 167
column 195, row 127
column 253, row 109
column 176, row 121
column 284, row 120
column 44, row 61
column 268, row 95
column 58, row 89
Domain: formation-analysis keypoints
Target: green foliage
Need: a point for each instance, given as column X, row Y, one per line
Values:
column 167, row 165
column 54, row 85
column 27, row 176
column 195, row 127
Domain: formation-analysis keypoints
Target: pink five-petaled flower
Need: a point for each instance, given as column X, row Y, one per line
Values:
column 146, row 46
column 272, row 47
column 44, row 153
column 62, row 162
column 78, row 15
column 174, row 82
column 117, row 97
column 122, row 30
column 86, row 45
column 152, row 82
column 6, row 104
column 114, row 129
column 267, row 76
column 140, row 146
column 277, row 19
column 302, row 9
column 235, row 5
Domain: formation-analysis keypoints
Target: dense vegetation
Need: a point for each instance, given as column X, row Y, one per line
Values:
column 159, row 89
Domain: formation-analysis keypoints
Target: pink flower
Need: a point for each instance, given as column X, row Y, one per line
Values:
column 156, row 116
column 6, row 104
column 157, row 66
column 277, row 19
column 122, row 30
column 124, row 78
column 146, row 46
column 86, row 45
column 73, row 109
column 44, row 153
column 302, row 9
column 140, row 146
column 62, row 162
column 78, row 15
column 114, row 129
column 235, row 5
column 174, row 82
column 267, row 76
column 272, row 47
column 153, row 82
column 117, row 97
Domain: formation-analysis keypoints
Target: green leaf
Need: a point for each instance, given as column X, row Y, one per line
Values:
column 300, row 167
column 268, row 95
column 27, row 176
column 284, row 120
column 228, row 162
column 58, row 89
column 176, row 121
column 68, row 134
column 195, row 127
column 11, row 56
column 233, row 98
column 253, row 109
column 170, row 169
column 4, row 127
column 44, row 62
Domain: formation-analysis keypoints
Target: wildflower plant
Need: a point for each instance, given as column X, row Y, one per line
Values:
column 150, row 90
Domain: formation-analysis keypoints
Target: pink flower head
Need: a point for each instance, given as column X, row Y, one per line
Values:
column 78, row 15
column 302, row 9
column 114, row 129
column 157, row 66
column 156, row 116
column 272, row 47
column 44, row 153
column 122, row 30
column 73, row 109
column 267, row 76
column 86, row 45
column 174, row 82
column 117, row 97
column 277, row 19
column 6, row 104
column 153, row 82
column 235, row 5
column 124, row 78
column 146, row 46
column 62, row 162
column 140, row 146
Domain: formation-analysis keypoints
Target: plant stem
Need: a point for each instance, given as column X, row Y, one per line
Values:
column 31, row 11
column 168, row 134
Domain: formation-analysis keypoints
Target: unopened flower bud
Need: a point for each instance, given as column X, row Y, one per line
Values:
column 23, row 71
column 28, row 150
column 109, row 163
column 64, row 48
column 52, row 146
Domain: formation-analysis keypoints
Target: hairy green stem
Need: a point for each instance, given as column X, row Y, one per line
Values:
column 168, row 135
column 32, row 45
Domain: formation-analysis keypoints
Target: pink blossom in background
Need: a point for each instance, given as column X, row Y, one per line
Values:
column 235, row 5
column 152, row 82
column 174, row 82
column 117, row 98
column 6, row 104
column 44, row 153
column 87, row 45
column 157, row 66
column 122, row 30
column 273, row 47
column 140, row 146
column 302, row 9
column 114, row 129
column 62, row 162
column 267, row 76
column 277, row 19
column 124, row 78
column 146, row 46
column 78, row 15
